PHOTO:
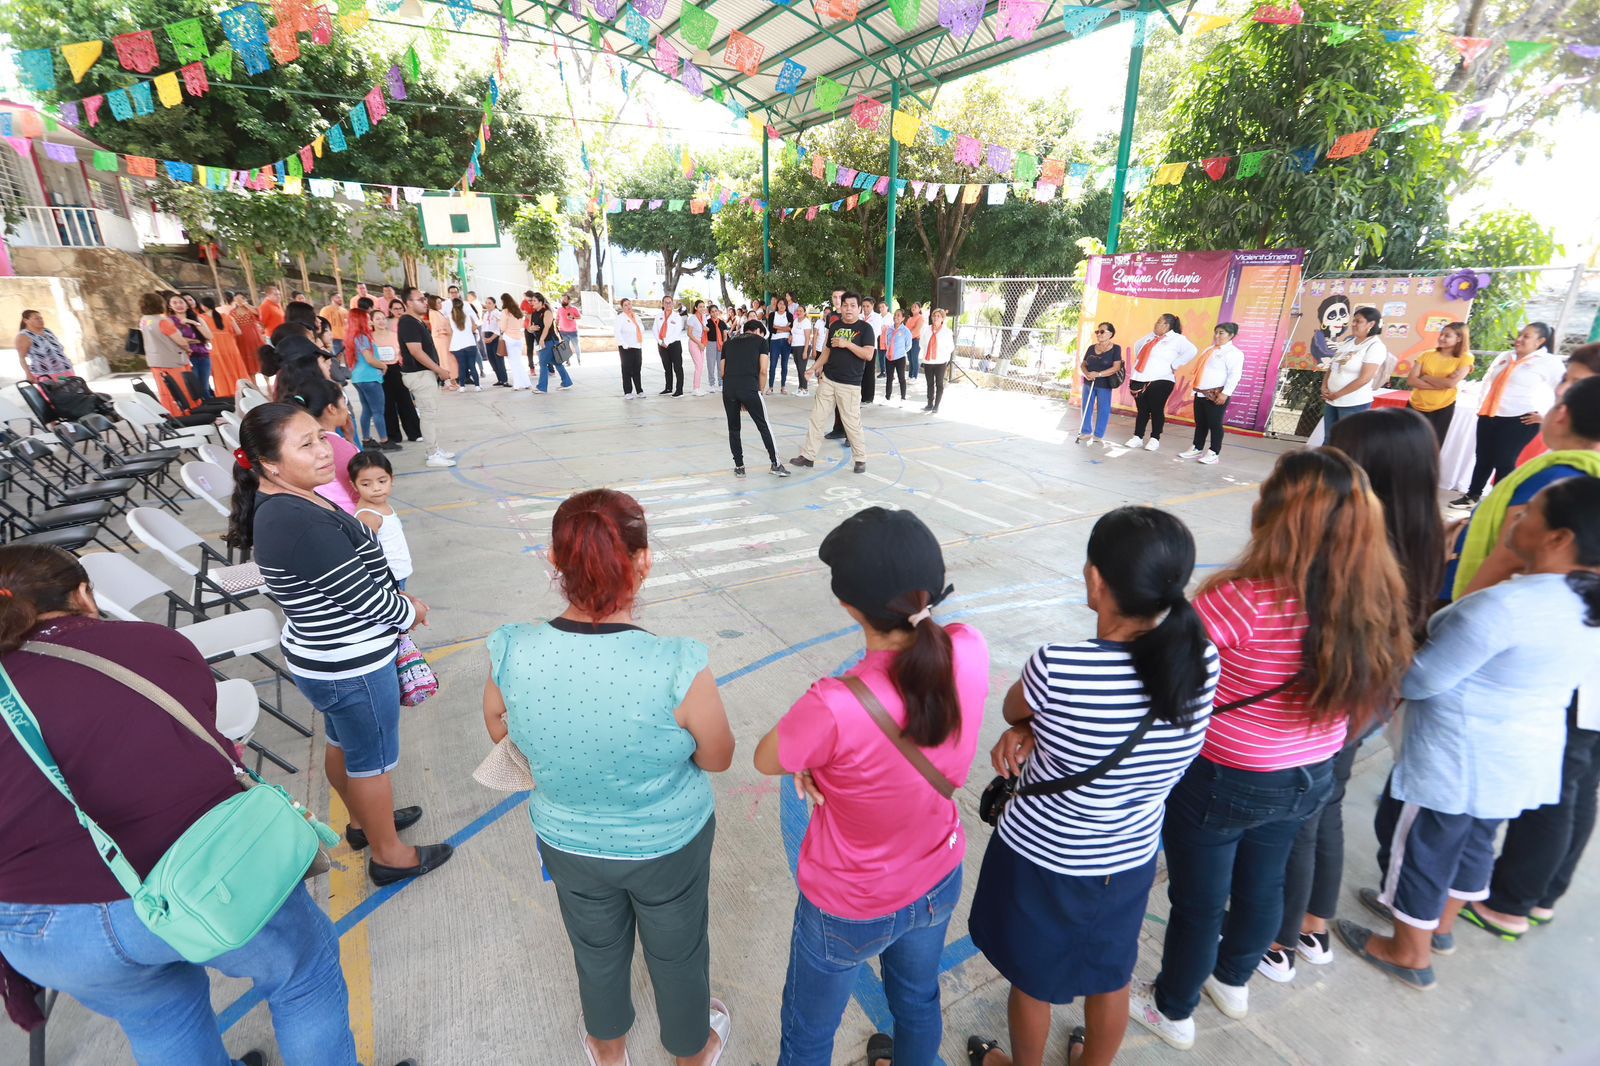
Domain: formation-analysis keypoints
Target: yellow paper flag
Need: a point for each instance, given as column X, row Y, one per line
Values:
column 354, row 21
column 758, row 126
column 906, row 127
column 969, row 194
column 316, row 146
column 167, row 90
column 291, row 183
column 1207, row 23
column 199, row 175
column 80, row 57
column 1170, row 173
column 548, row 202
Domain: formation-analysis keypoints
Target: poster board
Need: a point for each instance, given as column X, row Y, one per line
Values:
column 1256, row 289
column 1414, row 310
column 453, row 221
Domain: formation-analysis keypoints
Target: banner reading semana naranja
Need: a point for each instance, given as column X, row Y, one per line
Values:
column 1254, row 289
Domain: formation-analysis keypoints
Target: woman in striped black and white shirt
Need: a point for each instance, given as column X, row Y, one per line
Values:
column 343, row 616
column 1062, row 893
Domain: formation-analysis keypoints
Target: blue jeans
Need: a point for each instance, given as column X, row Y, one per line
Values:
column 361, row 716
column 101, row 955
column 467, row 365
column 1227, row 836
column 547, row 361
column 1331, row 415
column 827, row 953
column 916, row 352
column 201, row 364
column 572, row 340
column 779, row 354
column 1096, row 402
column 372, row 426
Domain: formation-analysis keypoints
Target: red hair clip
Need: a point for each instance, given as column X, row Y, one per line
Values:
column 241, row 458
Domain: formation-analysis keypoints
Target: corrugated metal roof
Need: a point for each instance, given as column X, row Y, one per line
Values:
column 867, row 55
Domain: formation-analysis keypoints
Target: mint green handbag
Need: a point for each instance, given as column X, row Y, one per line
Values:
column 230, row 871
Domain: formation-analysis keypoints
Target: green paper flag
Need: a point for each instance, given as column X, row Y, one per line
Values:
column 1520, row 52
column 188, row 40
column 698, row 27
column 413, row 64
column 509, row 10
column 674, row 205
column 826, row 93
column 1026, row 166
column 866, row 197
column 791, row 153
column 906, row 13
column 293, row 162
column 597, row 32
column 105, row 161
column 718, row 95
column 1250, row 164
column 831, row 172
column 549, row 16
column 1340, row 32
column 220, row 63
column 1401, row 125
column 438, row 40
column 51, row 125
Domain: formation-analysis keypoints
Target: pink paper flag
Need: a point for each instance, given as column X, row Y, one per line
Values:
column 377, row 106
column 1019, row 18
column 969, row 150
column 1292, row 15
column 23, row 146
column 1471, row 47
column 867, row 113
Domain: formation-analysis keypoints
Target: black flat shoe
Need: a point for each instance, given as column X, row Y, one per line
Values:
column 389, row 446
column 404, row 818
column 978, row 1048
column 880, row 1048
column 429, row 858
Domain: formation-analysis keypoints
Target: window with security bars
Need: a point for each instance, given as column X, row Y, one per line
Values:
column 13, row 190
column 104, row 197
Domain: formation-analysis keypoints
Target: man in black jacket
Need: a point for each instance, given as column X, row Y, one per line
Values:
column 744, row 369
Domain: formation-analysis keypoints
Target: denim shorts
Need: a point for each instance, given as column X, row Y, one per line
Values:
column 362, row 717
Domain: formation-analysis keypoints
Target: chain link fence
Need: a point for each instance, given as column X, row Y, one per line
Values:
column 1017, row 334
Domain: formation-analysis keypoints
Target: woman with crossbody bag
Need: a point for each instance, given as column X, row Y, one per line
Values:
column 882, row 750
column 113, row 722
column 1309, row 610
column 1114, row 721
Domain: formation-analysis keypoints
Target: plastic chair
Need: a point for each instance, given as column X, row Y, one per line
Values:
column 93, row 516
column 155, row 430
column 211, row 483
column 55, row 489
column 237, row 714
column 11, row 413
column 217, row 580
column 246, row 401
column 122, row 585
column 217, row 456
column 229, row 435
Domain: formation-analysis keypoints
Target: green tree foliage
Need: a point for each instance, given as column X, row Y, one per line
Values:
column 683, row 239
column 537, row 233
column 1493, row 239
column 1262, row 86
column 248, row 122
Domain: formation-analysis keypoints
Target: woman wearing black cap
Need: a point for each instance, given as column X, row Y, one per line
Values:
column 1062, row 892
column 881, row 749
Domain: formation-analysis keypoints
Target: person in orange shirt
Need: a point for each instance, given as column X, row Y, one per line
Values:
column 227, row 368
column 271, row 311
column 337, row 316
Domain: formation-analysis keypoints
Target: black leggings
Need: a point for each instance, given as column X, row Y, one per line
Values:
column 934, row 373
column 1316, row 863
column 1501, row 439
column 897, row 367
column 672, row 363
column 1439, row 420
column 747, row 400
column 1208, row 423
column 399, row 409
column 632, row 368
column 1151, row 402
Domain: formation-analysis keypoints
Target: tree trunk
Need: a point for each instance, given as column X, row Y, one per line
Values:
column 212, row 251
column 338, row 275
column 305, row 277
column 249, row 273
column 671, row 271
column 722, row 283
column 585, row 257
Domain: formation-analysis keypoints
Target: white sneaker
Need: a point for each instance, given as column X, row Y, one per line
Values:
column 1191, row 453
column 1277, row 966
column 563, row 388
column 447, row 455
column 802, row 392
column 1134, row 442
column 1153, row 444
column 1232, row 1000
column 1210, row 458
column 1142, row 1009
column 1315, row 948
column 440, row 460
column 699, row 392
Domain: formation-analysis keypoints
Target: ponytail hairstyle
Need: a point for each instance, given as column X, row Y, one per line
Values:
column 593, row 540
column 315, row 395
column 1544, row 330
column 458, row 312
column 1145, row 557
column 1173, row 323
column 210, row 303
column 35, row 579
column 924, row 674
column 1573, row 504
column 260, row 437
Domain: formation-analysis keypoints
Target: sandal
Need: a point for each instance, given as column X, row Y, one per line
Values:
column 978, row 1048
column 880, row 1048
column 1078, row 1039
column 1470, row 915
column 588, row 1052
column 722, row 1025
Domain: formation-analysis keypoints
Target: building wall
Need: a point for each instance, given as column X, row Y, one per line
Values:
column 65, row 310
column 100, row 295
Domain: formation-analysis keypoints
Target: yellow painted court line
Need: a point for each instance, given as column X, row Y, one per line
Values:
column 347, row 887
column 458, row 505
column 1210, row 494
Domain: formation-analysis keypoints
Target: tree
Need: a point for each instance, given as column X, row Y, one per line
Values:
column 1265, row 87
column 537, row 233
column 682, row 238
column 426, row 140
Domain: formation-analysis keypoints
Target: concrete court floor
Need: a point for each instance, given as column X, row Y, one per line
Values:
column 470, row 966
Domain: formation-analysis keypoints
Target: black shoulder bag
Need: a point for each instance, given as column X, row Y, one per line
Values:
column 995, row 797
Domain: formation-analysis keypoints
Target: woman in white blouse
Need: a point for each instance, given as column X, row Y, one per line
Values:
column 1518, row 388
column 630, row 346
column 1354, row 369
column 938, row 344
column 1151, row 378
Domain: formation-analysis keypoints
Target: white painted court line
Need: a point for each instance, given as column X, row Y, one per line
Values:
column 943, row 502
column 1031, row 496
column 662, row 483
column 729, row 568
column 754, row 540
column 705, row 526
column 699, row 508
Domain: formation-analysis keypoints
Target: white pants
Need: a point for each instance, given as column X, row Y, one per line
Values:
column 517, row 363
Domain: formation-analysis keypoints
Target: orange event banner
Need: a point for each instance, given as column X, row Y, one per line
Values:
column 1414, row 310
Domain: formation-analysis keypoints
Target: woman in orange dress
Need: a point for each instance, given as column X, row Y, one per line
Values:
column 439, row 326
column 226, row 365
column 248, row 327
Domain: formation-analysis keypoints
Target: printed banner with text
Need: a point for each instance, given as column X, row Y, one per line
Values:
column 1414, row 310
column 1254, row 289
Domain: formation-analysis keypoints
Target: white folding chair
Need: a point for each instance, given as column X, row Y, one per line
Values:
column 218, row 581
column 232, row 418
column 237, row 714
column 154, row 429
column 121, row 586
column 211, row 483
column 245, row 401
column 211, row 453
column 229, row 434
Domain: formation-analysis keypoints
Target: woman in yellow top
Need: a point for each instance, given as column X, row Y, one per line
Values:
column 1435, row 375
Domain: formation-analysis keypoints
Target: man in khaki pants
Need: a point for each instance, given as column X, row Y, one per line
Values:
column 847, row 353
column 421, row 371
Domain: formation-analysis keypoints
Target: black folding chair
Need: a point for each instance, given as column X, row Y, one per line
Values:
column 95, row 516
column 150, row 472
column 33, row 459
column 38, row 403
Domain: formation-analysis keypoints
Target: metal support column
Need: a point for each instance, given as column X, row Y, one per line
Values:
column 894, row 196
column 1130, row 107
column 766, row 221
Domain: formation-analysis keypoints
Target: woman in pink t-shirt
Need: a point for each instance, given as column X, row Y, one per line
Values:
column 880, row 866
column 1313, row 635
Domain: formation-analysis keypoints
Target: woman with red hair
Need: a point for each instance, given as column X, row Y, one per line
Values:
column 621, row 730
column 367, row 369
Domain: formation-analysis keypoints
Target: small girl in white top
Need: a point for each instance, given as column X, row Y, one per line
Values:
column 373, row 477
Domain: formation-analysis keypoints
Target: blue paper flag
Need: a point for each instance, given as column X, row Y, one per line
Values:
column 280, row 170
column 179, row 171
column 789, row 77
column 637, row 27
column 1396, row 36
column 1078, row 171
column 836, row 205
column 1077, row 21
column 460, row 11
column 359, row 124
column 1304, row 159
column 336, row 139
column 143, row 102
column 36, row 68
column 121, row 106
column 494, row 90
column 941, row 135
column 5, row 124
column 247, row 32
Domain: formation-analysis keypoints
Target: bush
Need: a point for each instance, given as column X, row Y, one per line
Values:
column 1500, row 239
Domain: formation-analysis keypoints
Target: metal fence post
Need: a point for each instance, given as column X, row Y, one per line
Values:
column 1569, row 305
